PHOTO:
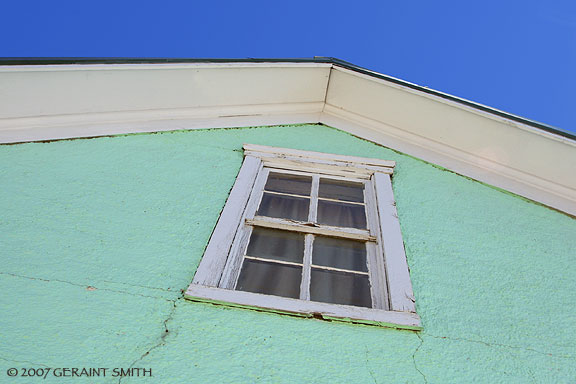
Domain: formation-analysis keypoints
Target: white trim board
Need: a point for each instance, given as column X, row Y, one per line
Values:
column 392, row 298
column 451, row 103
column 173, row 114
column 27, row 93
column 61, row 102
column 421, row 115
column 523, row 184
column 90, row 129
column 346, row 313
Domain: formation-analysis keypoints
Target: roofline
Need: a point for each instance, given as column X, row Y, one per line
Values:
column 7, row 61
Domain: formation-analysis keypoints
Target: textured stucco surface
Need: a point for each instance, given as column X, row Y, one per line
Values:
column 98, row 238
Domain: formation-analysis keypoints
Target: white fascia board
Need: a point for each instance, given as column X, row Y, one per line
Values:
column 58, row 92
column 59, row 102
column 529, row 186
column 528, row 161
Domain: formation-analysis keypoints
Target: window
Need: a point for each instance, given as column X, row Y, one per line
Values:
column 310, row 234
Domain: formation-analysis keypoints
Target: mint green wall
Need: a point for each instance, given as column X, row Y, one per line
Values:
column 494, row 275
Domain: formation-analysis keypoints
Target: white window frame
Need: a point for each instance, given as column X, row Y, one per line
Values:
column 392, row 295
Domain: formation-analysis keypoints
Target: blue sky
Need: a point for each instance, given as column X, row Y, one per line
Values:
column 518, row 56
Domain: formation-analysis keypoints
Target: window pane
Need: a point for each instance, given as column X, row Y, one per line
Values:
column 340, row 288
column 341, row 214
column 339, row 253
column 341, row 190
column 276, row 244
column 284, row 207
column 270, row 278
column 294, row 184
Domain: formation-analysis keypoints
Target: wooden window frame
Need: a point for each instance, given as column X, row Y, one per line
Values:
column 392, row 295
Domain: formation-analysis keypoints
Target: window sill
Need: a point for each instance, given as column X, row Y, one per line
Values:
column 346, row 313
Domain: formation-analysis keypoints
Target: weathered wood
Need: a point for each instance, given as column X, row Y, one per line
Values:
column 341, row 201
column 375, row 258
column 313, row 213
column 318, row 155
column 287, row 194
column 348, row 313
column 296, row 226
column 257, row 193
column 340, row 269
column 399, row 285
column 304, row 173
column 321, row 163
column 307, row 261
column 214, row 259
column 273, row 261
column 391, row 290
column 236, row 258
column 317, row 168
column 243, row 232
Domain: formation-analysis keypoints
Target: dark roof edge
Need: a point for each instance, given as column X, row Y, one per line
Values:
column 327, row 60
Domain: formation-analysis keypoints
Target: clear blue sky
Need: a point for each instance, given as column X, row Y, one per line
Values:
column 518, row 56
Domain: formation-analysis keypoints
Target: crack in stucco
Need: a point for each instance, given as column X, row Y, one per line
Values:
column 501, row 346
column 163, row 336
column 368, row 366
column 23, row 361
column 414, row 357
column 83, row 285
column 138, row 286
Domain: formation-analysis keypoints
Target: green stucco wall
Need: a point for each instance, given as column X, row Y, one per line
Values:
column 98, row 238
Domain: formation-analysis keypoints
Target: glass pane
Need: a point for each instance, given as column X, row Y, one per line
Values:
column 340, row 288
column 294, row 184
column 341, row 190
column 270, row 278
column 276, row 244
column 341, row 214
column 284, row 207
column 339, row 253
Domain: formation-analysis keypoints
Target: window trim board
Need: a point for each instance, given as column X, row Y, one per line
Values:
column 296, row 307
column 400, row 290
column 214, row 259
column 318, row 157
column 235, row 257
column 230, row 238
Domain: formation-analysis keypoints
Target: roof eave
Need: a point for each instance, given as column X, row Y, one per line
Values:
column 317, row 59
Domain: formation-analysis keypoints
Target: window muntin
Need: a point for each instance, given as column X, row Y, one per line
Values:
column 334, row 266
column 356, row 283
